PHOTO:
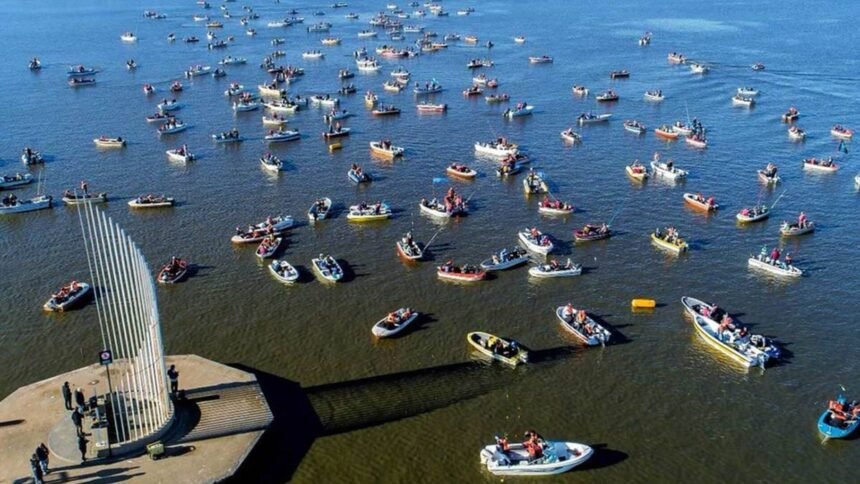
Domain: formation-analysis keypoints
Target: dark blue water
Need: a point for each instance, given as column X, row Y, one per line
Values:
column 665, row 406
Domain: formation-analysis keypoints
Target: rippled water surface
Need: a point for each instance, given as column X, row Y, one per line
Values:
column 659, row 404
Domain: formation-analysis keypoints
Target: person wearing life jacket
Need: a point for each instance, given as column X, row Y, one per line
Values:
column 581, row 317
column 836, row 410
column 774, row 254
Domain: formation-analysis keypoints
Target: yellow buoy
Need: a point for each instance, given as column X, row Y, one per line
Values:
column 335, row 146
column 643, row 304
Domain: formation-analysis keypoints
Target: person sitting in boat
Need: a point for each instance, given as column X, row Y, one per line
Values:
column 837, row 411
column 710, row 201
column 391, row 320
column 533, row 445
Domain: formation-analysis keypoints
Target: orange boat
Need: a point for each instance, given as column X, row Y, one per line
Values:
column 699, row 202
column 461, row 171
column 666, row 132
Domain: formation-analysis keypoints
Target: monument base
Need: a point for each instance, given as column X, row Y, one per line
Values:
column 223, row 413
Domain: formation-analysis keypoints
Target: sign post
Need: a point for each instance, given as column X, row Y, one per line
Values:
column 105, row 359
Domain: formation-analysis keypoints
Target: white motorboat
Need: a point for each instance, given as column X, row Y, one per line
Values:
column 230, row 60
column 571, row 136
column 274, row 121
column 16, row 180
column 667, row 170
column 723, row 339
column 281, row 106
column 257, row 232
column 319, row 210
column 284, row 271
column 654, row 96
column 152, row 201
column 589, row 118
column 777, row 268
column 271, row 163
column 385, row 148
column 282, row 136
column 180, row 154
column 244, row 106
column 699, row 68
column 106, row 142
column 327, row 268
column 12, row 204
column 536, row 241
column 496, row 148
column 174, row 127
column 167, row 106
column 68, row 297
column 581, row 325
column 324, row 101
column 515, row 460
column 505, row 259
column 547, row 271
column 394, row 323
column 743, row 101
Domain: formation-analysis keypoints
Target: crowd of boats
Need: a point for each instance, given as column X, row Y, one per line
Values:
column 535, row 455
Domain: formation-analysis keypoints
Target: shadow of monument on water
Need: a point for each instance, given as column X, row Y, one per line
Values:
column 301, row 415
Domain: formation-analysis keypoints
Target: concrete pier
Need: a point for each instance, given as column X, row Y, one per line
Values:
column 217, row 423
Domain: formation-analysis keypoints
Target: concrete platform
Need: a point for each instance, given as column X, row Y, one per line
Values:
column 217, row 424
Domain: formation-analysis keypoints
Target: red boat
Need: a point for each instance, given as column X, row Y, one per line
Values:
column 696, row 141
column 466, row 273
column 432, row 108
column 592, row 232
column 174, row 271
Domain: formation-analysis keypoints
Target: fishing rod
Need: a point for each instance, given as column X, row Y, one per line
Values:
column 778, row 198
column 427, row 245
column 617, row 212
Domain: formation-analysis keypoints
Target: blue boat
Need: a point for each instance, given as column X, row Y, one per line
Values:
column 358, row 178
column 839, row 429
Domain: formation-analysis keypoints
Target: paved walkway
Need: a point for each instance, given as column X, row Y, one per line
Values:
column 223, row 416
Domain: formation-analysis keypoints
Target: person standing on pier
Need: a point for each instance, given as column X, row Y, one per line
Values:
column 67, row 395
column 37, row 471
column 78, row 420
column 80, row 400
column 42, row 455
column 82, row 446
column 174, row 379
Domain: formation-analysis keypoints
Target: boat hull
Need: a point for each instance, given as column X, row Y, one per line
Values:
column 671, row 247
column 775, row 270
column 73, row 302
column 515, row 462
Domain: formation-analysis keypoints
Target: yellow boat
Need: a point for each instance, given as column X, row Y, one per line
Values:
column 508, row 351
column 639, row 176
column 676, row 247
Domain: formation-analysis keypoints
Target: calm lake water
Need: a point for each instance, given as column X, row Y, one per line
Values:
column 660, row 405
